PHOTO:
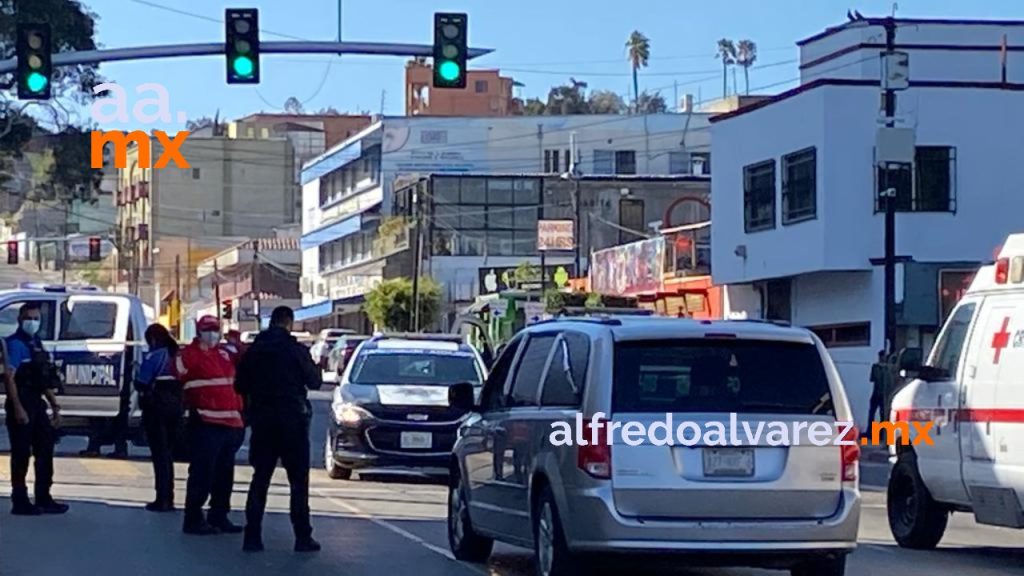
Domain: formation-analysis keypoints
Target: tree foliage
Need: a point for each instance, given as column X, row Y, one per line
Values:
column 651, row 103
column 293, row 106
column 606, row 102
column 727, row 53
column 389, row 305
column 638, row 51
column 746, row 55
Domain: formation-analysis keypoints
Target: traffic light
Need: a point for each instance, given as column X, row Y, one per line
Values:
column 226, row 309
column 94, row 249
column 450, row 47
column 243, row 45
column 35, row 69
column 12, row 251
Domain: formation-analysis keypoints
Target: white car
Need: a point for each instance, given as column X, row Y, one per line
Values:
column 321, row 349
column 969, row 392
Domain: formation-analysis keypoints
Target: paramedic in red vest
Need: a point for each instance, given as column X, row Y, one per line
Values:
column 216, row 430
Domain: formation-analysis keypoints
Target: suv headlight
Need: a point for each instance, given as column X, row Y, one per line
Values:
column 348, row 413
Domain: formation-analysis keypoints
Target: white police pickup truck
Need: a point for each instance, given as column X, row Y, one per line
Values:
column 96, row 341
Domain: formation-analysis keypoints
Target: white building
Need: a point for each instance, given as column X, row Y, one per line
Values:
column 796, row 215
column 346, row 191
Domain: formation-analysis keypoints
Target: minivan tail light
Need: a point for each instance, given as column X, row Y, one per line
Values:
column 850, row 455
column 595, row 458
column 1002, row 270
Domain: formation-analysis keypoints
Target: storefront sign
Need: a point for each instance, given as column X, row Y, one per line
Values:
column 497, row 279
column 556, row 235
column 630, row 269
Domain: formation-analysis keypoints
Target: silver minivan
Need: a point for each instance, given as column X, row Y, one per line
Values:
column 754, row 503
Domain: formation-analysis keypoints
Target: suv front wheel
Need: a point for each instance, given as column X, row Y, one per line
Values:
column 465, row 543
column 333, row 470
column 917, row 521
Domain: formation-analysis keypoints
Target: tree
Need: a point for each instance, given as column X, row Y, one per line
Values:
column 606, row 102
column 651, row 103
column 746, row 55
column 71, row 175
column 534, row 107
column 639, row 52
column 567, row 99
column 727, row 52
column 389, row 305
column 328, row 111
column 293, row 106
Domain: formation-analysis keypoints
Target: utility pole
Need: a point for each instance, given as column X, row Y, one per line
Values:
column 890, row 202
column 577, row 201
column 255, row 281
column 417, row 256
column 177, row 290
column 64, row 257
column 216, row 284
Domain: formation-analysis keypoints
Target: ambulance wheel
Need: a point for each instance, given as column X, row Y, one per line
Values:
column 916, row 520
column 333, row 470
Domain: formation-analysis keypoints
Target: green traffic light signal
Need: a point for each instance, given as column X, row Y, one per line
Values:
column 450, row 71
column 36, row 82
column 243, row 66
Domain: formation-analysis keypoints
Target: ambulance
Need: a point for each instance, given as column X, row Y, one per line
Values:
column 971, row 390
column 96, row 341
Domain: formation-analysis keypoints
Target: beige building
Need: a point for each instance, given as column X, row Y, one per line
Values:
column 233, row 189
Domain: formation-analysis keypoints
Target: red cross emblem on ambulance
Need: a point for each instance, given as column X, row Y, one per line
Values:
column 1001, row 340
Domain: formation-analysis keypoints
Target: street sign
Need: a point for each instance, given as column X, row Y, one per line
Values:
column 556, row 235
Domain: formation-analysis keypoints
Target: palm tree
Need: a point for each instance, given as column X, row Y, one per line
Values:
column 746, row 55
column 727, row 52
column 639, row 52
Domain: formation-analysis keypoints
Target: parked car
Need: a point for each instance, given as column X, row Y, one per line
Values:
column 794, row 507
column 321, row 348
column 969, row 391
column 341, row 353
column 391, row 412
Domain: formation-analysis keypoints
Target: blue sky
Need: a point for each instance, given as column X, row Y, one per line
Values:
column 539, row 42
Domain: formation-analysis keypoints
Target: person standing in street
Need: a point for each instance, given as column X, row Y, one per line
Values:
column 31, row 379
column 160, row 396
column 215, row 429
column 879, row 388
column 274, row 376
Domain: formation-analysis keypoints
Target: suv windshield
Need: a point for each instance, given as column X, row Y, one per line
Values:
column 743, row 376
column 411, row 367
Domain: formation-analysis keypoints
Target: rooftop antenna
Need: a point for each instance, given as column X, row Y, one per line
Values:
column 895, row 7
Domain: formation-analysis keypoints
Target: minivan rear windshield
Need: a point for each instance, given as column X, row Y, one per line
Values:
column 720, row 375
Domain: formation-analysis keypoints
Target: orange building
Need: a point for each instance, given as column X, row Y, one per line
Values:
column 487, row 93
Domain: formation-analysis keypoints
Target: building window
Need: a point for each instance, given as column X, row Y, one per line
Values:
column 625, row 162
column 604, row 162
column 485, row 216
column 759, row 196
column 195, row 173
column 551, row 162
column 568, row 161
column 778, row 295
column 844, row 335
column 678, row 162
column 927, row 186
column 481, row 86
column 799, row 186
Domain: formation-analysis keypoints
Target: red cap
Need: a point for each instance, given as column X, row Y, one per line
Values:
column 208, row 323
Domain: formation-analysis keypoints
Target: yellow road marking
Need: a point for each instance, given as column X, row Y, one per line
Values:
column 110, row 467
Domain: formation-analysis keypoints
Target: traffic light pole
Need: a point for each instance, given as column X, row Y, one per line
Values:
column 217, row 49
column 890, row 208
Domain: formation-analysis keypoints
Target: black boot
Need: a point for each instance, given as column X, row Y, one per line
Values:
column 253, row 539
column 306, row 544
column 196, row 524
column 47, row 505
column 21, row 505
column 225, row 525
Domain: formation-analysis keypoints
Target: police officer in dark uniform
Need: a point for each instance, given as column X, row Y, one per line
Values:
column 31, row 380
column 273, row 377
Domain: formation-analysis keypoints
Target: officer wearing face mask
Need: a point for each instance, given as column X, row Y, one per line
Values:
column 31, row 380
column 206, row 370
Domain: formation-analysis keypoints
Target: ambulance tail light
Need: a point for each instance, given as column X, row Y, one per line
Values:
column 1002, row 270
column 850, row 455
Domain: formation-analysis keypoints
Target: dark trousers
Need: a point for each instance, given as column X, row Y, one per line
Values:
column 211, row 470
column 32, row 440
column 876, row 406
column 161, row 427
column 286, row 439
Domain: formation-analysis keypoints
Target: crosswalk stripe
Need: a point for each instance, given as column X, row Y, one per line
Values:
column 110, row 467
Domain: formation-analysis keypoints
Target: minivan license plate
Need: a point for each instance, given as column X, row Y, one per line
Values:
column 416, row 440
column 738, row 462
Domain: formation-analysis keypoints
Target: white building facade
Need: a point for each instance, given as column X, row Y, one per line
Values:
column 347, row 191
column 796, row 212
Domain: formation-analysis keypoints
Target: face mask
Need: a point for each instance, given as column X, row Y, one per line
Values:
column 210, row 338
column 30, row 327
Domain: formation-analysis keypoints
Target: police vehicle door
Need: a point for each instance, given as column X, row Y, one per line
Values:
column 90, row 351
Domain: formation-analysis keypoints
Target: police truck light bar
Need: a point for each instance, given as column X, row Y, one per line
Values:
column 242, row 46
column 33, row 49
column 451, row 46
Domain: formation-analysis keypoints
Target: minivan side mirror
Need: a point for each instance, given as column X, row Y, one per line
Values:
column 462, row 396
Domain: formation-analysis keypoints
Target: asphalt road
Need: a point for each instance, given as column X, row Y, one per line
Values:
column 367, row 526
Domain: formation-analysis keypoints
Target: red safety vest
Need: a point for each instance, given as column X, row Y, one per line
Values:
column 208, row 377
